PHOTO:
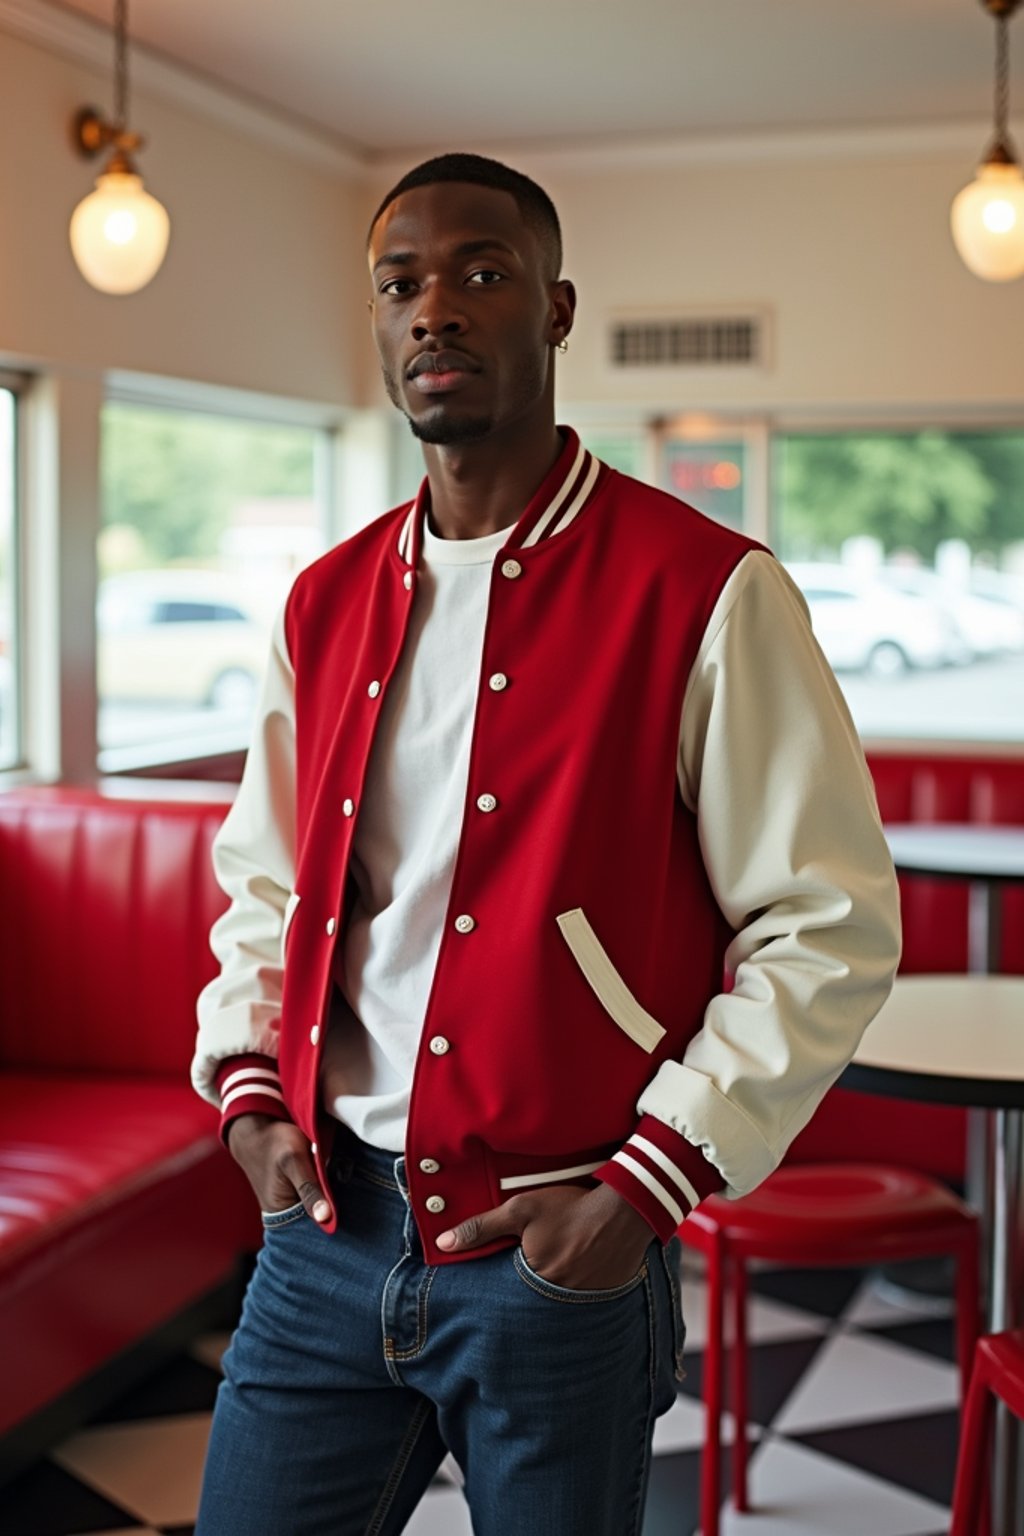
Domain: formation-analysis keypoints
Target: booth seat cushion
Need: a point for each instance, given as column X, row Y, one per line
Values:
column 118, row 1207
column 71, row 1146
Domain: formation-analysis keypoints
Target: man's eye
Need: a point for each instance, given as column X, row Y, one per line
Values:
column 486, row 278
column 397, row 286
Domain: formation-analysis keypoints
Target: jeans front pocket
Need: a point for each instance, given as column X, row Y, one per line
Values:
column 566, row 1294
column 671, row 1254
column 274, row 1219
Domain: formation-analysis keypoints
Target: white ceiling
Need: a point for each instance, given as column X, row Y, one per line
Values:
column 383, row 76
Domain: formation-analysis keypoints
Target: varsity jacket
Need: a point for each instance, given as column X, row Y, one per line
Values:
column 577, row 1025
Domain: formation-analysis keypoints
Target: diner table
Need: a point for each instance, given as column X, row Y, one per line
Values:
column 987, row 857
column 956, row 1039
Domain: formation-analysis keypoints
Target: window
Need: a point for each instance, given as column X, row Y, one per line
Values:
column 10, row 743
column 624, row 448
column 710, row 475
column 909, row 547
column 206, row 519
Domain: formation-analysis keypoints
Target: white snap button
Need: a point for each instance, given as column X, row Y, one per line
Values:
column 497, row 681
column 429, row 1165
column 314, row 1148
column 407, row 581
column 330, row 926
column 486, row 803
column 435, row 1205
column 373, row 689
column 348, row 806
column 314, row 1034
column 511, row 569
column 439, row 1045
column 465, row 923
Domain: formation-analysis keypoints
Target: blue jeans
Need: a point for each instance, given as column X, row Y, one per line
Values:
column 356, row 1366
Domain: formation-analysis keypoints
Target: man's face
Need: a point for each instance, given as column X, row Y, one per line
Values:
column 464, row 310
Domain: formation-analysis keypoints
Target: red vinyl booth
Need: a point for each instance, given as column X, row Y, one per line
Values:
column 119, row 1208
column 930, row 1137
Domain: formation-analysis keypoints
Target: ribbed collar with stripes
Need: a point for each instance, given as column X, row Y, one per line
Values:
column 555, row 506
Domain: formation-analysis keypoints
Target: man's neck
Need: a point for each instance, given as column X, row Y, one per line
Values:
column 477, row 488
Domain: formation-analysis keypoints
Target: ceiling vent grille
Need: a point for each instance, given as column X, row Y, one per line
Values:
column 694, row 342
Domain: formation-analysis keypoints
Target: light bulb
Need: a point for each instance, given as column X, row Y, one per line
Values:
column 987, row 218
column 119, row 234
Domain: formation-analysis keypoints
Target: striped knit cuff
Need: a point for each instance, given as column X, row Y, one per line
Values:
column 661, row 1174
column 249, row 1085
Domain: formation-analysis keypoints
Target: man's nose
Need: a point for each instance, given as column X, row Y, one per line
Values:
column 438, row 314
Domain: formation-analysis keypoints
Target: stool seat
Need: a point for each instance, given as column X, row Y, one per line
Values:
column 828, row 1203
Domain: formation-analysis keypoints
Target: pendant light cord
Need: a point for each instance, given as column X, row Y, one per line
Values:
column 120, row 65
column 1002, row 97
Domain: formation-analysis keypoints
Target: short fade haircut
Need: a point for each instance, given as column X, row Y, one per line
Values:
column 535, row 206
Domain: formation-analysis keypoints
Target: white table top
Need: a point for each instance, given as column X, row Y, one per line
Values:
column 964, row 852
column 950, row 1039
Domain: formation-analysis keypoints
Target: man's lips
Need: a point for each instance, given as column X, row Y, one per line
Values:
column 434, row 372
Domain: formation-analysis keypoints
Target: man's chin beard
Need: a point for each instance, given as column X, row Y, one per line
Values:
column 450, row 432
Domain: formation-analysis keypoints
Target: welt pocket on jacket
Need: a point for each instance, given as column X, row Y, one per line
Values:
column 290, row 909
column 609, row 987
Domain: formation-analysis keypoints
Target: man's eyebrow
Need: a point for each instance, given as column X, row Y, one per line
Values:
column 467, row 248
column 474, row 247
column 394, row 259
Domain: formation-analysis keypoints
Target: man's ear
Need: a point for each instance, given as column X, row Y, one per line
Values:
column 563, row 310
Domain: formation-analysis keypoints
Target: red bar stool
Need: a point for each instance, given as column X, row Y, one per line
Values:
column 817, row 1214
column 998, row 1373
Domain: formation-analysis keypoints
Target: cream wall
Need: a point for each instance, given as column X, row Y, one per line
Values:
column 872, row 309
column 257, row 288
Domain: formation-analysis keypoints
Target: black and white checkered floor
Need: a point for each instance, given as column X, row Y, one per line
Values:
column 853, row 1402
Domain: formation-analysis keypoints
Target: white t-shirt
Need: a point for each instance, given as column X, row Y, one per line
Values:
column 406, row 840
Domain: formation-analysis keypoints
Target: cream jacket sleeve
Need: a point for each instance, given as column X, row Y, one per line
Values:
column 770, row 762
column 254, row 861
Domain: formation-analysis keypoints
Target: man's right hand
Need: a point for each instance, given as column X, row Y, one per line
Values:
column 275, row 1157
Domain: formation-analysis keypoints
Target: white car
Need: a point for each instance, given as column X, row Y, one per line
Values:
column 179, row 636
column 865, row 626
column 986, row 627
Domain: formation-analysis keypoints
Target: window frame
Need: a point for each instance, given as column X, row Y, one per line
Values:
column 196, row 399
column 831, row 423
column 761, row 432
column 18, row 385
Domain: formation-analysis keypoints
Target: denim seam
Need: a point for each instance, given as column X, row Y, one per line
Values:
column 678, row 1321
column 421, row 1319
column 402, row 1459
column 638, row 1498
column 375, row 1178
column 390, row 1358
column 563, row 1294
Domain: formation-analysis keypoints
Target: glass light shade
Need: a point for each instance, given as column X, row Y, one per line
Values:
column 988, row 223
column 119, row 234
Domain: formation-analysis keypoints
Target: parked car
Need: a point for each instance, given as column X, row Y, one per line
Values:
column 985, row 627
column 863, row 625
column 179, row 636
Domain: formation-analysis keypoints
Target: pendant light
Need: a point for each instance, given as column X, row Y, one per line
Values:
column 988, row 215
column 118, row 233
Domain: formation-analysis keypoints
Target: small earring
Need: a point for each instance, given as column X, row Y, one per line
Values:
column 563, row 345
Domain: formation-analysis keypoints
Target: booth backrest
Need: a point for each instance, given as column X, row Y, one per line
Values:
column 106, row 903
column 978, row 790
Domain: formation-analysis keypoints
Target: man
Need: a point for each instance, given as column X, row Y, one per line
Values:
column 538, row 758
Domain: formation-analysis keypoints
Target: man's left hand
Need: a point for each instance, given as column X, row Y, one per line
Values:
column 583, row 1239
